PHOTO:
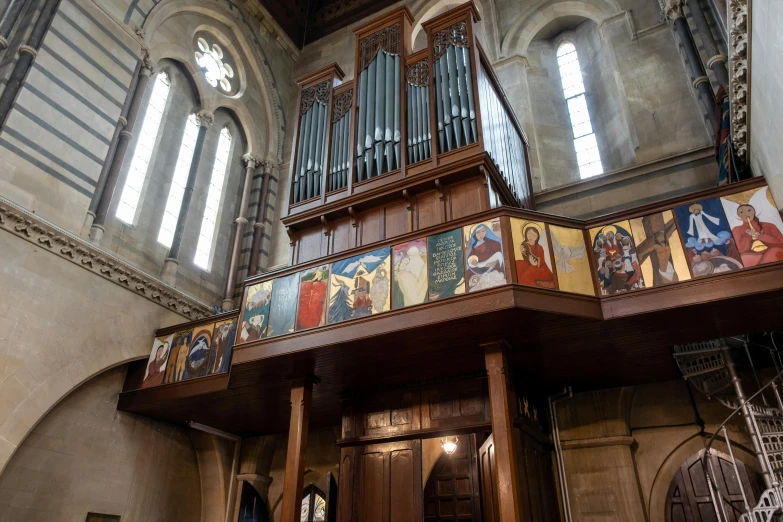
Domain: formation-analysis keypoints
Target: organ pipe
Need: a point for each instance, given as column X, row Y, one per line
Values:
column 456, row 110
column 311, row 142
column 417, row 81
column 341, row 128
column 378, row 124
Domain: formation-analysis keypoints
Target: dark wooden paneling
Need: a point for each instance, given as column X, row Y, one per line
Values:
column 343, row 236
column 489, row 494
column 397, row 219
column 370, row 225
column 428, row 210
column 466, row 198
column 309, row 245
column 390, row 486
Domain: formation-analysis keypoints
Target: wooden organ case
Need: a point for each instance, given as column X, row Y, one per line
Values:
column 413, row 141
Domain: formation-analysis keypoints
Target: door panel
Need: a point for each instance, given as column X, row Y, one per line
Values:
column 452, row 488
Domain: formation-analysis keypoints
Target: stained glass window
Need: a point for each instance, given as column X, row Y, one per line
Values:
column 313, row 505
column 145, row 143
column 586, row 147
column 178, row 182
column 209, row 221
column 305, row 516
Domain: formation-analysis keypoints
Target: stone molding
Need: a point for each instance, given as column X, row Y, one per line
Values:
column 598, row 442
column 28, row 226
column 738, row 74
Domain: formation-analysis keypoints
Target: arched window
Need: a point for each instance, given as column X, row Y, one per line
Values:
column 587, row 155
column 134, row 182
column 203, row 256
column 313, row 505
column 178, row 182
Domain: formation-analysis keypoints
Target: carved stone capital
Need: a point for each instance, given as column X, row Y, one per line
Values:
column 205, row 118
column 251, row 161
column 30, row 227
column 122, row 121
column 673, row 9
column 147, row 64
column 738, row 75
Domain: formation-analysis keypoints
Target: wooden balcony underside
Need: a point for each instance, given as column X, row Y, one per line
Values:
column 558, row 339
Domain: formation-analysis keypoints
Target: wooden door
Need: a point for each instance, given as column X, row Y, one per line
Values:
column 451, row 492
column 488, row 473
column 381, row 483
column 689, row 497
column 538, row 496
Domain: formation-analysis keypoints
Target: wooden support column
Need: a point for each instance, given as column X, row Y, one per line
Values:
column 502, row 431
column 301, row 395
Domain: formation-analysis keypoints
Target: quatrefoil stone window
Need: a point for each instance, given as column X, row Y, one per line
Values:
column 216, row 71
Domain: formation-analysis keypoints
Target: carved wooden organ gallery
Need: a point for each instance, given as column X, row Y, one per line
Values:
column 426, row 298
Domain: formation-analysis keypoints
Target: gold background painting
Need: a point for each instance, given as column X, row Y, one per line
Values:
column 679, row 262
column 574, row 273
column 536, row 275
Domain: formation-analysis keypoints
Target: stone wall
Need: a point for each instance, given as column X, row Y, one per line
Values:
column 84, row 456
column 766, row 110
column 623, row 446
column 60, row 325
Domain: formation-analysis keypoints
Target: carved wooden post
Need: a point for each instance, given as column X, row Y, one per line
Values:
column 301, row 395
column 502, row 431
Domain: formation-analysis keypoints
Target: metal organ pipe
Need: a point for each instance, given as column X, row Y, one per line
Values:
column 417, row 88
column 362, row 124
column 311, row 142
column 341, row 147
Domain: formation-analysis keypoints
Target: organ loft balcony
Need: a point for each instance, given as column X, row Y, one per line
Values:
column 414, row 140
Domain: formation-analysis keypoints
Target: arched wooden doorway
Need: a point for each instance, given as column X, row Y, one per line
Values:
column 689, row 499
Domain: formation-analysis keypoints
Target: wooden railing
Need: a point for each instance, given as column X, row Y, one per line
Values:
column 405, row 114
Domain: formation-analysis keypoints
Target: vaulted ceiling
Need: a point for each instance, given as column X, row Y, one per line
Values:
column 305, row 21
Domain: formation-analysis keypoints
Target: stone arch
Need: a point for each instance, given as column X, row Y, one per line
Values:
column 673, row 461
column 271, row 148
column 527, row 25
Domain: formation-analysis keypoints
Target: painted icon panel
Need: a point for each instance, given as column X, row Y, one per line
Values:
column 222, row 346
column 198, row 352
column 531, row 253
column 313, row 295
column 755, row 225
column 156, row 365
column 709, row 246
column 616, row 260
column 445, row 265
column 484, row 264
column 360, row 286
column 255, row 312
column 178, row 356
column 659, row 249
column 571, row 264
column 282, row 311
column 410, row 281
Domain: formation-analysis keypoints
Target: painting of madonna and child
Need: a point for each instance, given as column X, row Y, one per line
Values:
column 360, row 286
column 484, row 264
column 709, row 245
column 616, row 260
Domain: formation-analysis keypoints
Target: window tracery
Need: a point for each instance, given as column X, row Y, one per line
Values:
column 211, row 60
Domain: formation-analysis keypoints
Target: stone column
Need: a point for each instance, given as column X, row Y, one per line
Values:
column 123, row 143
column 716, row 60
column 502, row 431
column 204, row 119
column 8, row 20
column 673, row 10
column 27, row 53
column 301, row 395
column 251, row 162
column 122, row 122
column 260, row 225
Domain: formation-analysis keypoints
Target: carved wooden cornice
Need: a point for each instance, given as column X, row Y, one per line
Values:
column 457, row 35
column 418, row 73
column 738, row 74
column 387, row 40
column 341, row 105
column 42, row 234
column 319, row 93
